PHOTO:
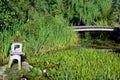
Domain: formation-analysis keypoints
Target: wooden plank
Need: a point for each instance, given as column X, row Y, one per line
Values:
column 76, row 27
column 94, row 29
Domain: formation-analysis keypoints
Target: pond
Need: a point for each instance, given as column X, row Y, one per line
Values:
column 100, row 40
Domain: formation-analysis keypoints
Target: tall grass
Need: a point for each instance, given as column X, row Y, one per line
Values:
column 5, row 42
column 49, row 33
column 43, row 33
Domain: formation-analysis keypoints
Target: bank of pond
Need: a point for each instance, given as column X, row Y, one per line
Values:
column 80, row 64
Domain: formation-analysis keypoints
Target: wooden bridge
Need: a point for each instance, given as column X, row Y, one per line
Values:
column 95, row 28
column 115, row 30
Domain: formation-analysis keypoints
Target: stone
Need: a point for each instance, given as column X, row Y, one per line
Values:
column 26, row 66
column 2, row 70
column 15, row 53
column 13, row 71
column 9, row 73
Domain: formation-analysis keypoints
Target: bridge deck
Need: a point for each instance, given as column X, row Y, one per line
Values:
column 94, row 28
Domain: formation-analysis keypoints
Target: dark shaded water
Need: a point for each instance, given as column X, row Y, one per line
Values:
column 109, row 41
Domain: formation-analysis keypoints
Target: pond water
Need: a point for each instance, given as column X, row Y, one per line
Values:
column 109, row 41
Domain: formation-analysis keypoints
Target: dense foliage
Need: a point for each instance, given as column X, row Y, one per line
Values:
column 44, row 24
column 116, row 7
column 76, row 65
column 78, row 12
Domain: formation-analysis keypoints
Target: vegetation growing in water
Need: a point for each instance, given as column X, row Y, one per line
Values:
column 75, row 65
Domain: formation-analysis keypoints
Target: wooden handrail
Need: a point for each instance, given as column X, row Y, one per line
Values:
column 94, row 28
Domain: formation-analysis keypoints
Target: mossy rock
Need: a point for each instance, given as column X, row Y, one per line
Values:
column 13, row 72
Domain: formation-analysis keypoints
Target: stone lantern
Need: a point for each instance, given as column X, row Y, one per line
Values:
column 15, row 53
column 16, row 50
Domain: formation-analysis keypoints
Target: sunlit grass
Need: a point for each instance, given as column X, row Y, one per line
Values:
column 79, row 64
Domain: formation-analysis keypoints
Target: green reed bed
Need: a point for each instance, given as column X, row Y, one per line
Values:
column 80, row 64
column 43, row 33
column 5, row 41
column 48, row 32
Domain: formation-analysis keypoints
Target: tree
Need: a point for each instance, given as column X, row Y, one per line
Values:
column 13, row 12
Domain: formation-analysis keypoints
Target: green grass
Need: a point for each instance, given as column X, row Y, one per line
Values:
column 80, row 64
column 43, row 33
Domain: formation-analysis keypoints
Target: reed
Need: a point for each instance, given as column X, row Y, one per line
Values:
column 44, row 33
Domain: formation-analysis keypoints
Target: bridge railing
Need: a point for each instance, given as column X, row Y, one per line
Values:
column 94, row 28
